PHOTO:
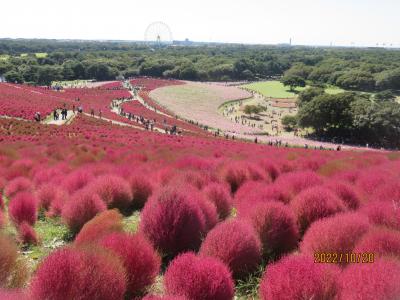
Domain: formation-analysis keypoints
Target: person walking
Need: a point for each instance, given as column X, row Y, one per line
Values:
column 92, row 112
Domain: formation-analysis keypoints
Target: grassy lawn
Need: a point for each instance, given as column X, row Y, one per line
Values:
column 41, row 55
column 4, row 57
column 275, row 89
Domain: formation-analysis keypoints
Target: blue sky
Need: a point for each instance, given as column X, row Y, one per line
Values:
column 310, row 22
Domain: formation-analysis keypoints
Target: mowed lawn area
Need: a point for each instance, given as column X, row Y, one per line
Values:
column 276, row 89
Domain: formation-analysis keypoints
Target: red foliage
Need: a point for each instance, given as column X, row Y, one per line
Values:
column 76, row 180
column 383, row 213
column 151, row 297
column 113, row 190
column 198, row 278
column 18, row 185
column 235, row 175
column 298, row 277
column 101, row 225
column 381, row 242
column 337, row 234
column 236, row 244
column 60, row 198
column 140, row 260
column 8, row 257
column 275, row 225
column 13, row 294
column 173, row 221
column 26, row 234
column 271, row 168
column 219, row 195
column 23, row 208
column 371, row 179
column 295, row 182
column 141, row 190
column 82, row 207
column 49, row 194
column 346, row 193
column 70, row 273
column 378, row 280
column 313, row 204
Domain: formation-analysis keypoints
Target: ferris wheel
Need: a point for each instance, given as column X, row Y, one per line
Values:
column 158, row 34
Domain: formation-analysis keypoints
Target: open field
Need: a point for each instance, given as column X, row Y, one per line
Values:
column 276, row 89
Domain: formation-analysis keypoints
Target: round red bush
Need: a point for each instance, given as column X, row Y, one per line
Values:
column 23, row 208
column 298, row 277
column 276, row 227
column 113, row 190
column 378, row 280
column 27, row 234
column 295, row 182
column 60, row 198
column 70, row 273
column 236, row 244
column 47, row 194
column 77, row 180
column 235, row 175
column 173, row 221
column 383, row 213
column 313, row 204
column 83, row 206
column 336, row 234
column 381, row 242
column 198, row 278
column 18, row 185
column 141, row 190
column 346, row 193
column 220, row 197
column 7, row 294
column 101, row 225
column 138, row 257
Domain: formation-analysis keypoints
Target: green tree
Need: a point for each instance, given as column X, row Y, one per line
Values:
column 309, row 94
column 289, row 122
column 293, row 81
column 14, row 77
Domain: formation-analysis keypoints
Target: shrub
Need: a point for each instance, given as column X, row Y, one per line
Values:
column 23, row 208
column 173, row 221
column 47, row 194
column 295, row 182
column 235, row 175
column 152, row 297
column 198, row 278
column 13, row 294
column 370, row 180
column 298, row 277
column 82, row 207
column 57, row 204
column 346, row 193
column 276, row 227
column 101, row 225
column 8, row 257
column 389, row 192
column 219, row 196
column 381, row 242
column 76, row 180
column 208, row 209
column 378, row 280
column 70, row 273
column 18, row 185
column 138, row 257
column 236, row 244
column 383, row 213
column 313, row 204
column 141, row 190
column 337, row 234
column 27, row 234
column 113, row 190
column 271, row 169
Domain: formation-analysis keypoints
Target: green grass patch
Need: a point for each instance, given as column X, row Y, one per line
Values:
column 131, row 223
column 274, row 89
column 4, row 57
column 333, row 90
column 24, row 54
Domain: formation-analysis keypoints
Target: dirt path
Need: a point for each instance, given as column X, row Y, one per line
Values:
column 50, row 120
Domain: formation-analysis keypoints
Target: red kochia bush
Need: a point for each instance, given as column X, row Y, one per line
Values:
column 219, row 196
column 198, row 278
column 141, row 190
column 113, row 190
column 49, row 193
column 76, row 180
column 383, row 213
column 235, row 175
column 7, row 294
column 173, row 221
column 23, row 208
column 8, row 257
column 83, row 206
column 337, row 234
column 138, row 257
column 378, row 280
column 346, row 193
column 295, row 182
column 104, row 223
column 275, row 225
column 27, row 234
column 17, row 185
column 381, row 242
column 70, row 273
column 298, row 277
column 236, row 244
column 313, row 204
column 152, row 297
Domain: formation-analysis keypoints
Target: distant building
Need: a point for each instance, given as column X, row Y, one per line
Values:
column 2, row 79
